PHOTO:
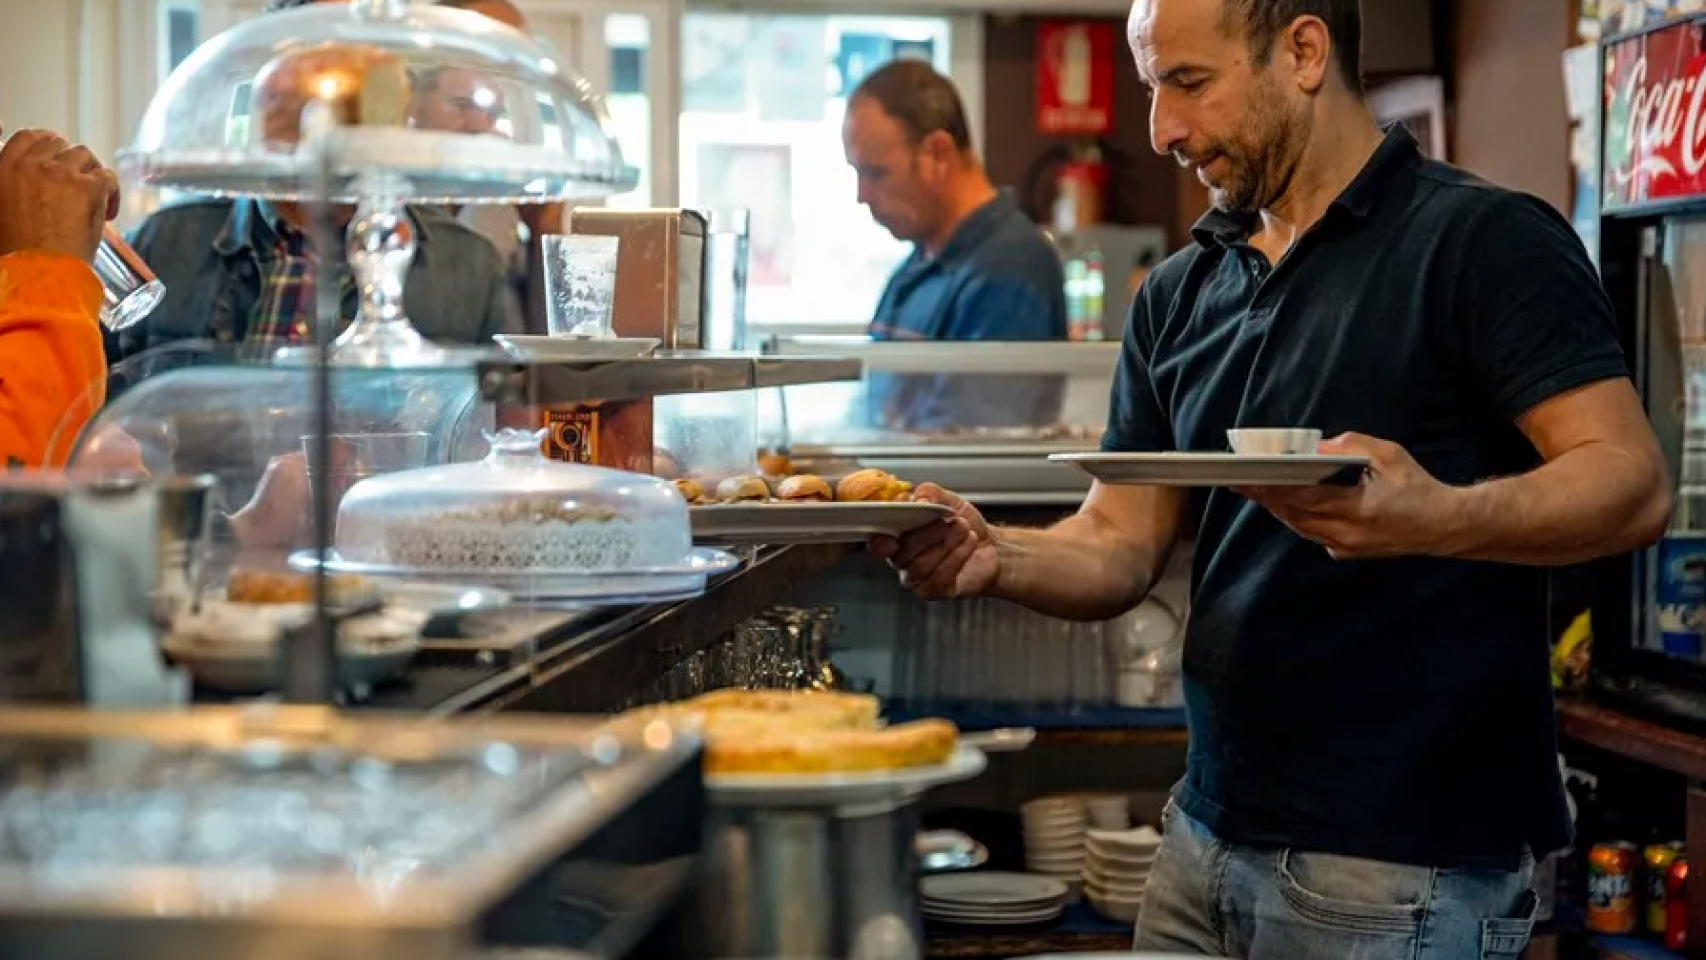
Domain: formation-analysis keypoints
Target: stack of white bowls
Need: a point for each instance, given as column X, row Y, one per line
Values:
column 1116, row 870
column 1056, row 828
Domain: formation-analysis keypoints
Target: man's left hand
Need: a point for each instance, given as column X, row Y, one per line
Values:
column 1398, row 509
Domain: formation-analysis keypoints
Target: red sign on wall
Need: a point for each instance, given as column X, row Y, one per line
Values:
column 1655, row 117
column 1075, row 78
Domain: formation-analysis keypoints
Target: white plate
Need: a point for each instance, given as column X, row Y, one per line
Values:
column 613, row 587
column 991, row 890
column 1215, row 469
column 996, row 919
column 843, row 789
column 260, row 668
column 535, row 347
column 811, row 522
column 441, row 600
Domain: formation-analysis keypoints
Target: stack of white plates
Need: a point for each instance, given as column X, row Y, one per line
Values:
column 1116, row 870
column 1056, row 827
column 992, row 899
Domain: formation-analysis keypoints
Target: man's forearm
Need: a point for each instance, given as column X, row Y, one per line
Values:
column 1591, row 502
column 1075, row 570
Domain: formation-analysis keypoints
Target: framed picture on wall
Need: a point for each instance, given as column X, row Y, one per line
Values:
column 1419, row 104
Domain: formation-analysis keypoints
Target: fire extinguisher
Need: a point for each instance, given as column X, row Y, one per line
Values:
column 1080, row 185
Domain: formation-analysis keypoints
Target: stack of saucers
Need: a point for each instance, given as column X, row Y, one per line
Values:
column 992, row 899
column 1116, row 870
column 1054, row 839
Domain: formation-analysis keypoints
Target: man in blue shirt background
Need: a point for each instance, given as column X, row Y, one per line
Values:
column 979, row 269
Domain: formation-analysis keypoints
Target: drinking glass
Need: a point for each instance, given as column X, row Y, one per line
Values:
column 580, row 285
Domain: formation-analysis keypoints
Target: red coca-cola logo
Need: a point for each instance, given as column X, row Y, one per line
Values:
column 1655, row 133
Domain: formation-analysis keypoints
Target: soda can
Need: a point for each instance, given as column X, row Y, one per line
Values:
column 1676, row 904
column 1611, row 887
column 1658, row 857
column 1680, row 594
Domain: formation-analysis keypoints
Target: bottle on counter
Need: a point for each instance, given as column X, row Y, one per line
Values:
column 1656, row 882
column 1086, row 290
column 1676, row 904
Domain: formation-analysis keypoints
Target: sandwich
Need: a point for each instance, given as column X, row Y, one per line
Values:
column 805, row 488
column 743, row 490
column 872, row 486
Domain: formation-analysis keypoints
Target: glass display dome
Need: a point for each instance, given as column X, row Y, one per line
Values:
column 530, row 525
column 378, row 104
column 465, row 109
column 204, row 412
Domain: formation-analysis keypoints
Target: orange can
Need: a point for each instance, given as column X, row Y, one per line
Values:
column 1611, row 887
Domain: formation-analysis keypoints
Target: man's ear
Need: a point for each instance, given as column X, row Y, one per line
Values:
column 1308, row 45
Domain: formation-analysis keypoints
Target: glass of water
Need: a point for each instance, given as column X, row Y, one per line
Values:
column 580, row 285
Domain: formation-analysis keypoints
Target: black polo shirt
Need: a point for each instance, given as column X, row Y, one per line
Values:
column 1397, row 709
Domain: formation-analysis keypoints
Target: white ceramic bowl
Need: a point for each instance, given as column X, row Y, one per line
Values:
column 1119, row 909
column 1274, row 442
column 1108, row 812
column 1054, row 807
column 1116, row 861
column 1125, row 886
column 1139, row 842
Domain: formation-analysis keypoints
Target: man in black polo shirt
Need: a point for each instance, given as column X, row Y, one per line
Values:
column 1372, row 766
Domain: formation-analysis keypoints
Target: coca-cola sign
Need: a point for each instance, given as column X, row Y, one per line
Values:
column 1655, row 117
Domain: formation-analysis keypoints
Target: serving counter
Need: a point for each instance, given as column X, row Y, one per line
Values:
column 403, row 468
column 977, row 418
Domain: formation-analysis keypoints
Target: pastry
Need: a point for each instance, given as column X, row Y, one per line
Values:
column 872, row 486
column 743, row 489
column 805, row 488
column 690, row 490
column 245, row 585
column 799, row 732
column 822, row 709
column 775, row 465
column 922, row 743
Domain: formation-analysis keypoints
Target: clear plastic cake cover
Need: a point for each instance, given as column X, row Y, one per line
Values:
column 525, row 523
column 465, row 109
column 197, row 411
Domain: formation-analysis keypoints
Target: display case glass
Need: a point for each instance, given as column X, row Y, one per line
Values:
column 463, row 107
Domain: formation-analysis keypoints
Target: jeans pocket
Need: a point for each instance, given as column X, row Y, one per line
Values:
column 1505, row 938
column 1353, row 895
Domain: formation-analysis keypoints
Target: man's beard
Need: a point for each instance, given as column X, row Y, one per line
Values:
column 1260, row 156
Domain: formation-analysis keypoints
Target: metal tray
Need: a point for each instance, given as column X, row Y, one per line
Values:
column 789, row 523
column 1217, row 469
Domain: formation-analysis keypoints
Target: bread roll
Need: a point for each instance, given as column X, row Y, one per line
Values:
column 743, row 489
column 871, row 486
column 805, row 488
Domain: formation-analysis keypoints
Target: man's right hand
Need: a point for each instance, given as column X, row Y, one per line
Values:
column 54, row 197
column 954, row 558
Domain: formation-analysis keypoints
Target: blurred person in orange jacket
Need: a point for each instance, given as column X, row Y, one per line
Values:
column 54, row 200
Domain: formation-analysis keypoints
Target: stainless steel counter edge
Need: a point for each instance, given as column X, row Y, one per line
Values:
column 532, row 382
column 594, row 669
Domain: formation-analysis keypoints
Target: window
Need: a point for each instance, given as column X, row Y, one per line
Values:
column 762, row 103
column 628, row 37
column 179, row 33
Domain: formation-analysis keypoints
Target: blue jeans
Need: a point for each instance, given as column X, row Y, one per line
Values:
column 1214, row 899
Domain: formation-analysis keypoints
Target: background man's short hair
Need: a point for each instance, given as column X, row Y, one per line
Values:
column 1262, row 20
column 921, row 100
